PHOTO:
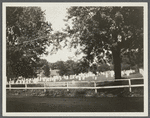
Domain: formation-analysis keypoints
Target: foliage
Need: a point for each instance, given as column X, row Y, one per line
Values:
column 27, row 36
column 60, row 65
column 104, row 67
column 43, row 66
column 71, row 67
column 106, row 33
column 84, row 65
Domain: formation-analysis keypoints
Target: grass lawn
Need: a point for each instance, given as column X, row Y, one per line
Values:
column 46, row 104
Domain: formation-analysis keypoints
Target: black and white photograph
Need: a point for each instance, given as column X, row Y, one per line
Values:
column 75, row 59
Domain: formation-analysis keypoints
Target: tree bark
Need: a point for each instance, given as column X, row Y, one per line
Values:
column 117, row 62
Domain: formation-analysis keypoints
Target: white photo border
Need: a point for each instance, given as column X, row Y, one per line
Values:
column 138, row 114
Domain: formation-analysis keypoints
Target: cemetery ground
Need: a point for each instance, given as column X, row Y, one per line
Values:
column 78, row 100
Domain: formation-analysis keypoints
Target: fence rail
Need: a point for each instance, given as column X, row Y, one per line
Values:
column 95, row 87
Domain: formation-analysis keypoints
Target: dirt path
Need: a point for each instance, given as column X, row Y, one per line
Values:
column 45, row 104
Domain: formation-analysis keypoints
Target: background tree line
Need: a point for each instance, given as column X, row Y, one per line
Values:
column 71, row 67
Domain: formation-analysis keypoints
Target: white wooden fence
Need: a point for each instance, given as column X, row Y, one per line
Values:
column 68, row 87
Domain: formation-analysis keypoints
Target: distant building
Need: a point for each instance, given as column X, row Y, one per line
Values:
column 54, row 72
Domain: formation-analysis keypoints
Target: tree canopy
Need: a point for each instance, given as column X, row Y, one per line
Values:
column 27, row 36
column 106, row 33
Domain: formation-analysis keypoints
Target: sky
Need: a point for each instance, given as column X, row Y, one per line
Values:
column 55, row 15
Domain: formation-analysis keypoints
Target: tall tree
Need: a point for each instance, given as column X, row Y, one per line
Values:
column 106, row 33
column 27, row 36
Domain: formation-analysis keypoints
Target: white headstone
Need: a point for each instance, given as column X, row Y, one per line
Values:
column 83, row 78
column 112, row 73
column 79, row 78
column 141, row 71
column 106, row 75
column 128, row 73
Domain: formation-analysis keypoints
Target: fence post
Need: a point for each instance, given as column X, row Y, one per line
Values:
column 95, row 86
column 129, row 85
column 44, row 87
column 25, row 86
column 9, row 85
column 67, row 86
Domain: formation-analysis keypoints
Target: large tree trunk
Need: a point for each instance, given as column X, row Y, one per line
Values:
column 117, row 62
